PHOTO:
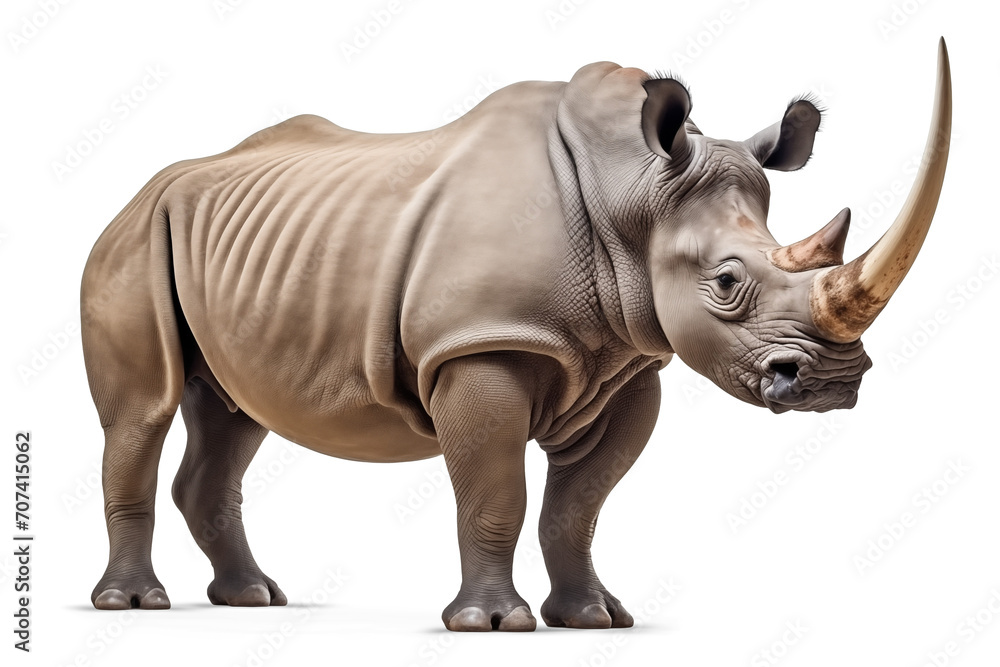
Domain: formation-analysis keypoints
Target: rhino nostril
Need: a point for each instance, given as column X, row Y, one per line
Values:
column 789, row 370
column 784, row 388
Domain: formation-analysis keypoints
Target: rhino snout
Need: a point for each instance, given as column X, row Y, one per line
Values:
column 812, row 385
column 781, row 387
column 785, row 388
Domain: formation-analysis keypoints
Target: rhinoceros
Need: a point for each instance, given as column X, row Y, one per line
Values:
column 519, row 274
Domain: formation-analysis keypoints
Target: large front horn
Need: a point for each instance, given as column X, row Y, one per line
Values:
column 845, row 300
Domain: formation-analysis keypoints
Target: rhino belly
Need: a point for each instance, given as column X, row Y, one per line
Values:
column 372, row 433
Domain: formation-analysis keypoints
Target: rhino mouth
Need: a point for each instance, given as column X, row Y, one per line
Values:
column 785, row 387
column 781, row 388
column 794, row 382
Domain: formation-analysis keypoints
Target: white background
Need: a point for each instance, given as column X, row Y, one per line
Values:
column 226, row 74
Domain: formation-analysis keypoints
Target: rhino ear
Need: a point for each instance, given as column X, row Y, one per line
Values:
column 664, row 114
column 787, row 145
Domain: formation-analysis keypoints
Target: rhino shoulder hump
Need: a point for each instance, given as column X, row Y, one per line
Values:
column 301, row 128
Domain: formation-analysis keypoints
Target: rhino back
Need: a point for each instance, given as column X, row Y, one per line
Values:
column 327, row 274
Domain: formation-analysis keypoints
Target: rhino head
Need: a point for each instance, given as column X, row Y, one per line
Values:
column 681, row 223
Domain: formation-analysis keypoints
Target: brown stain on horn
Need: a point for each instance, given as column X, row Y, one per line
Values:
column 841, row 306
column 820, row 250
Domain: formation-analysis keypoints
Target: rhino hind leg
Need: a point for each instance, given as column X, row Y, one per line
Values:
column 481, row 415
column 129, row 471
column 135, row 368
column 207, row 490
column 574, row 494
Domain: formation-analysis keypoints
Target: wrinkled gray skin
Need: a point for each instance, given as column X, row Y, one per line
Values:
column 524, row 279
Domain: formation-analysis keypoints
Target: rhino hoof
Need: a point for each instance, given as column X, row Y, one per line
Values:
column 595, row 616
column 474, row 619
column 263, row 593
column 114, row 599
column 591, row 616
column 470, row 619
column 518, row 620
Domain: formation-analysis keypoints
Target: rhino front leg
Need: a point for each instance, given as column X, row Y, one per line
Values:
column 481, row 411
column 574, row 494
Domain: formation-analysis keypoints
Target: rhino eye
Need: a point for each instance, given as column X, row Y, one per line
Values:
column 725, row 280
column 727, row 289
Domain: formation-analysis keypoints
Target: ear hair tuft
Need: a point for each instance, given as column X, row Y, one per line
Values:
column 815, row 100
column 660, row 74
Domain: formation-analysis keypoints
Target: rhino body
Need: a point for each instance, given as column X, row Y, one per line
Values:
column 325, row 291
column 459, row 291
